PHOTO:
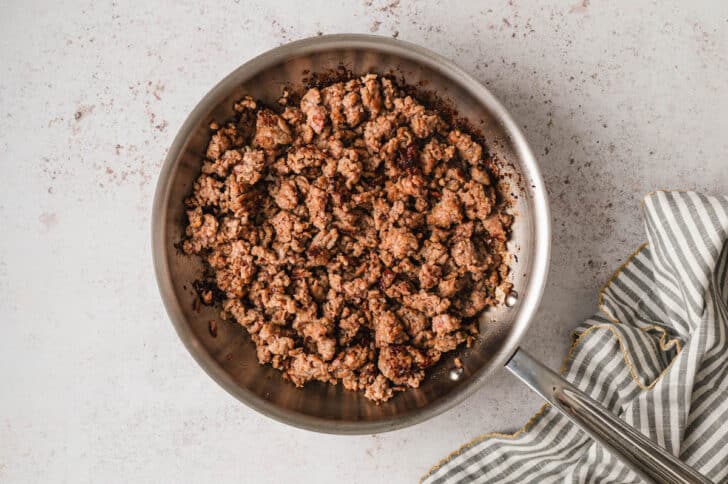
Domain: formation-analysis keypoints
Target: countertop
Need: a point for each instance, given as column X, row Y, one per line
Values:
column 617, row 99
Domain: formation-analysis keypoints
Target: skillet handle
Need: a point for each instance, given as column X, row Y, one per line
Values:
column 643, row 456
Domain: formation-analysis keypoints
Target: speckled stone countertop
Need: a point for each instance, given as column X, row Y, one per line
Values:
column 617, row 98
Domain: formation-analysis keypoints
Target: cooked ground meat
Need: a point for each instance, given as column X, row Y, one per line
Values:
column 355, row 235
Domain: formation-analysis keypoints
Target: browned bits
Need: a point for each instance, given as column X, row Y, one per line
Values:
column 408, row 157
column 386, row 279
column 355, row 234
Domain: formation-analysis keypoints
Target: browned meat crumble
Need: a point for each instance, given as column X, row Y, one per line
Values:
column 355, row 234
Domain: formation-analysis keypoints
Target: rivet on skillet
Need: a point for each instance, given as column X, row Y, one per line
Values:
column 456, row 374
column 511, row 299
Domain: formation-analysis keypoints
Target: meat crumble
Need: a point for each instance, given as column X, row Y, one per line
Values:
column 355, row 234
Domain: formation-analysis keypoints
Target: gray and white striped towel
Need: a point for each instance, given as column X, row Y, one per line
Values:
column 656, row 354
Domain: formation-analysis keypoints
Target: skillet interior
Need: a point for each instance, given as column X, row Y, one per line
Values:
column 230, row 357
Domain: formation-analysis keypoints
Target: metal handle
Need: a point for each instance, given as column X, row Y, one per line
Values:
column 647, row 459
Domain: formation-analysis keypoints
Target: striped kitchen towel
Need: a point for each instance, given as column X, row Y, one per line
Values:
column 656, row 355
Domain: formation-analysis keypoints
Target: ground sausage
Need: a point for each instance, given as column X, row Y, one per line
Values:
column 352, row 231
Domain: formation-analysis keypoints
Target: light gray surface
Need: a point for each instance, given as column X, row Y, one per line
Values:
column 95, row 384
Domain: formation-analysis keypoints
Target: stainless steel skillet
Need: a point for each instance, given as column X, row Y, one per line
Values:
column 326, row 408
